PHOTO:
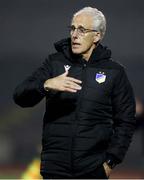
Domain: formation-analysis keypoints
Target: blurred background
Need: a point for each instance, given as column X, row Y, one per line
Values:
column 28, row 29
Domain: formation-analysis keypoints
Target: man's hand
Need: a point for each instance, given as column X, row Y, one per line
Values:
column 63, row 83
column 107, row 169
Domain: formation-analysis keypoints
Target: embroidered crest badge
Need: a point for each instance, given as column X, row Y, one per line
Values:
column 100, row 77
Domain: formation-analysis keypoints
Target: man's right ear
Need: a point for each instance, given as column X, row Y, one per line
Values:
column 97, row 37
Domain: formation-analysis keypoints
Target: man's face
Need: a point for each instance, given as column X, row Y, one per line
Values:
column 82, row 43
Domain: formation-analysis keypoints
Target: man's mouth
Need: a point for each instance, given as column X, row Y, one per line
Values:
column 75, row 44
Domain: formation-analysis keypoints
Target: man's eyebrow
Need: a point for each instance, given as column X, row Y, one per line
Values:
column 80, row 26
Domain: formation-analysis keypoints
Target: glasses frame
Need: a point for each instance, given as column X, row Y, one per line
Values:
column 81, row 31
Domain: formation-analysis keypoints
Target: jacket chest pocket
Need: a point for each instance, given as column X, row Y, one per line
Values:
column 97, row 94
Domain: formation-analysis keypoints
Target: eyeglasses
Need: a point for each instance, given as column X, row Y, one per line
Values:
column 80, row 30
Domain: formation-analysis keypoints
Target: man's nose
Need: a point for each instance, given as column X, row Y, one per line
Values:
column 75, row 33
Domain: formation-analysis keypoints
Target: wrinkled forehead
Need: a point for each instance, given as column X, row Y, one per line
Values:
column 83, row 19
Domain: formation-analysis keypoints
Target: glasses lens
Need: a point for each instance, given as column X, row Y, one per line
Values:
column 81, row 30
column 72, row 28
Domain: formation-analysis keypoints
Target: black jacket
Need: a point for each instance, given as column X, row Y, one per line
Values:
column 81, row 130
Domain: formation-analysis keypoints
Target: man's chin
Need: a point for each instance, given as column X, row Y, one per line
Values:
column 76, row 51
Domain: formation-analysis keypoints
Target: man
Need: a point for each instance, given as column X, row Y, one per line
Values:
column 90, row 107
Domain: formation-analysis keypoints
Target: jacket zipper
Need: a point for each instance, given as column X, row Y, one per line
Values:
column 74, row 125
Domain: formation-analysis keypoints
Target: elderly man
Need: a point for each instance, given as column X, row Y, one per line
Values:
column 90, row 107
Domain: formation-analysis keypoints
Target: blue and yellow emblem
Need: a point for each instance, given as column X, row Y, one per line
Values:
column 100, row 77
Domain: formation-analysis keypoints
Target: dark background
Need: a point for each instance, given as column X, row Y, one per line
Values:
column 28, row 29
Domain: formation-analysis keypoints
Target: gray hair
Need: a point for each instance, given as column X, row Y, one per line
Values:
column 98, row 19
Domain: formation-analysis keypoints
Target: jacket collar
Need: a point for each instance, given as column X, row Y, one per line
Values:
column 99, row 53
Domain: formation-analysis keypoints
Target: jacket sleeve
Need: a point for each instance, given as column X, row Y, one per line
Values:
column 31, row 90
column 124, row 122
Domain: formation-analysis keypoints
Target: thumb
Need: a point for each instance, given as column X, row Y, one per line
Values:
column 65, row 73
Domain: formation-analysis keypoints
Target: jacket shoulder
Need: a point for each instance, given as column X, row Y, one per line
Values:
column 57, row 56
column 112, row 64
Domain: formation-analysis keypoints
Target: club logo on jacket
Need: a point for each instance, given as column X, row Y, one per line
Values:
column 100, row 77
column 67, row 67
